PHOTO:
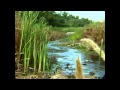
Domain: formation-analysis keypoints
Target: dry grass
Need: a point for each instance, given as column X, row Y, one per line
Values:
column 54, row 35
column 91, row 44
column 17, row 22
column 79, row 72
column 96, row 32
column 17, row 40
column 17, row 32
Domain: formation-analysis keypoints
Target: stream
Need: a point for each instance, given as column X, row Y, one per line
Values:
column 67, row 56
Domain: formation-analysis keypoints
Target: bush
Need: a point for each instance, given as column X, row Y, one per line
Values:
column 77, row 35
column 96, row 32
column 54, row 35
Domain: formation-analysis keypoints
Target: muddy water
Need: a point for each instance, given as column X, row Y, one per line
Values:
column 67, row 56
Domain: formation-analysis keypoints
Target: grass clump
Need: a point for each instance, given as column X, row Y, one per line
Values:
column 77, row 35
column 33, row 42
column 91, row 45
column 96, row 32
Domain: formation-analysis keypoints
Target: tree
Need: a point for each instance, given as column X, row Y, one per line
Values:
column 84, row 21
column 62, row 19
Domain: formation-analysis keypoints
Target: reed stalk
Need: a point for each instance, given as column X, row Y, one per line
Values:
column 33, row 41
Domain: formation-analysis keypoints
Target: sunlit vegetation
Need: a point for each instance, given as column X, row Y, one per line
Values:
column 33, row 42
column 33, row 31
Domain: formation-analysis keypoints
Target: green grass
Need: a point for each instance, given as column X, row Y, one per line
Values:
column 78, row 32
column 65, row 29
column 77, row 35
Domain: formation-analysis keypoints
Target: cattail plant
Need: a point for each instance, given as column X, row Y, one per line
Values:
column 79, row 72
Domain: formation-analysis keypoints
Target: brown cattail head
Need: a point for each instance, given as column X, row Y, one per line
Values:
column 79, row 74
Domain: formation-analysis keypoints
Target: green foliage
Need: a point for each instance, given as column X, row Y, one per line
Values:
column 71, row 29
column 84, row 21
column 62, row 19
column 77, row 35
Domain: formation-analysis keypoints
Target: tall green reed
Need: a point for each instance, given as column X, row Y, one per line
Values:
column 34, row 42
